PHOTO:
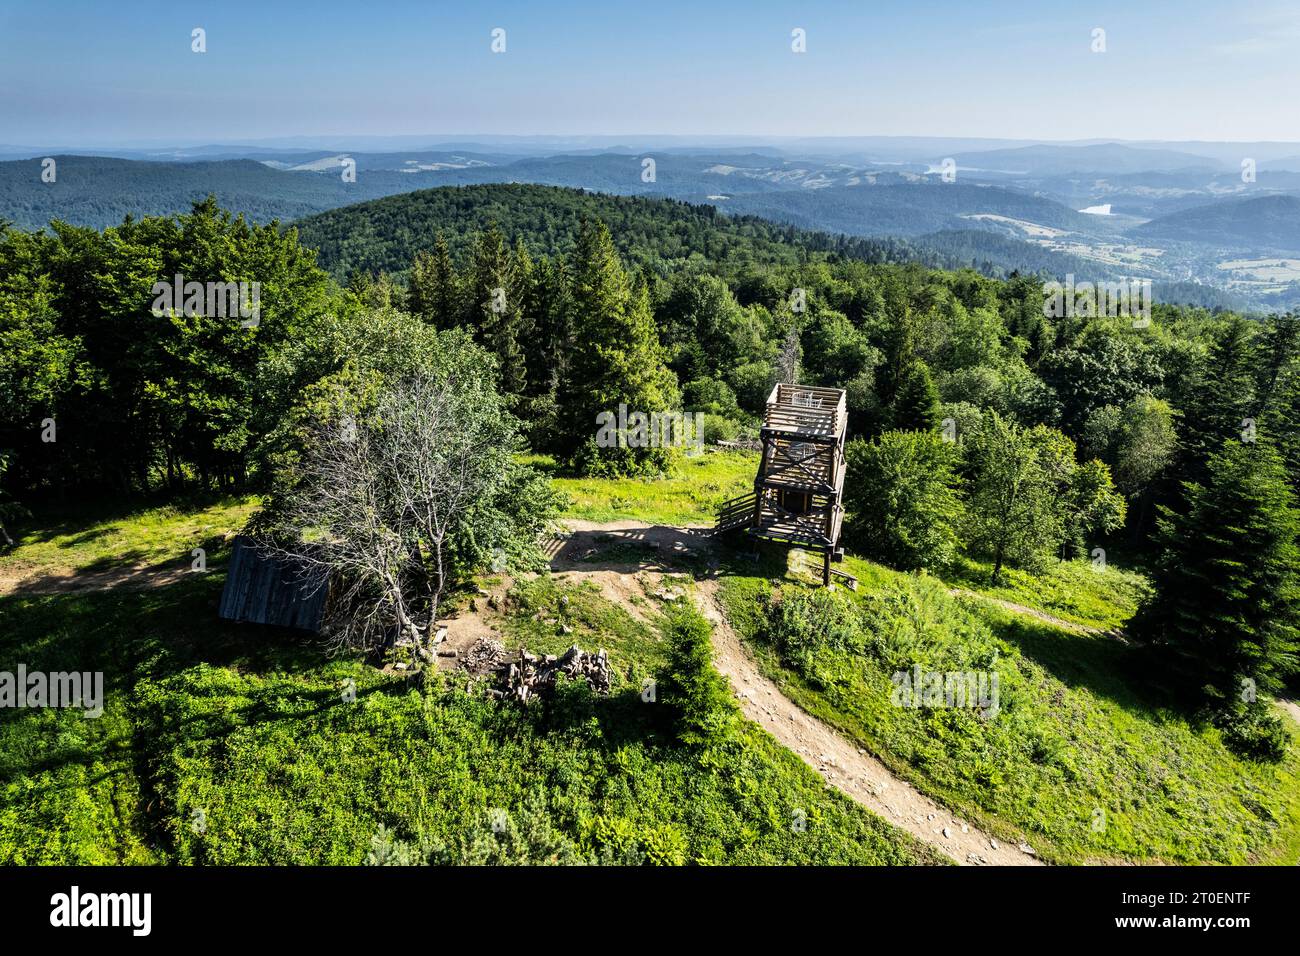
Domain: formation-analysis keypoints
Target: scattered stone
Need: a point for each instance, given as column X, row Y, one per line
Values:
column 1028, row 850
column 439, row 635
column 400, row 666
column 532, row 676
column 993, row 844
column 947, row 834
column 483, row 656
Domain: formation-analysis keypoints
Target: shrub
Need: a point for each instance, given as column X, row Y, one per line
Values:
column 1252, row 731
column 697, row 696
column 809, row 621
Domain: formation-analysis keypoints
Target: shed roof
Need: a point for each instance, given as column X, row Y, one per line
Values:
column 268, row 589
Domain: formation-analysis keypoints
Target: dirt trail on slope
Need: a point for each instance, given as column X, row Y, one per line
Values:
column 1032, row 612
column 1291, row 707
column 842, row 764
column 137, row 577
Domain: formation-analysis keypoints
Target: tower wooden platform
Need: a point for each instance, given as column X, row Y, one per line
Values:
column 799, row 489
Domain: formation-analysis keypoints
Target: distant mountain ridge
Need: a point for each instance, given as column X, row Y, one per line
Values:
column 1100, row 158
column 1256, row 223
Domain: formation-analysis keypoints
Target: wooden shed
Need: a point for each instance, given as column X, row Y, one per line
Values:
column 262, row 588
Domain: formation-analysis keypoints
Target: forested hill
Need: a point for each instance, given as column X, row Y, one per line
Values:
column 385, row 234
column 1265, row 222
column 98, row 191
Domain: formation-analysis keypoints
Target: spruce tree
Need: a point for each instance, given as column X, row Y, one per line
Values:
column 493, row 306
column 916, row 402
column 617, row 359
column 1223, row 399
column 433, row 293
column 1226, row 608
column 547, row 303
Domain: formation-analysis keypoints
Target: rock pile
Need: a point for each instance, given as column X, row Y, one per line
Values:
column 532, row 675
column 484, row 656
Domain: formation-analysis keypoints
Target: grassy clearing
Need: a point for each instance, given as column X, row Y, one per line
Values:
column 1071, row 590
column 541, row 608
column 689, row 496
column 1079, row 737
column 225, row 744
column 74, row 541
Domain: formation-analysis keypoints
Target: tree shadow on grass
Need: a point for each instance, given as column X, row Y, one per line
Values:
column 1099, row 663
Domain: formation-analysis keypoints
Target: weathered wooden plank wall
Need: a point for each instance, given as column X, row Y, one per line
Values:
column 261, row 589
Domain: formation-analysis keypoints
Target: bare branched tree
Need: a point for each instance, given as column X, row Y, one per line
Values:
column 381, row 498
column 789, row 359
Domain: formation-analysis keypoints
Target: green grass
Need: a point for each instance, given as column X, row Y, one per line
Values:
column 688, row 496
column 1071, row 590
column 247, row 730
column 540, row 608
column 75, row 540
column 1081, row 728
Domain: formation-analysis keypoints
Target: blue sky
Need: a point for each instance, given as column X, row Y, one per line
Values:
column 98, row 72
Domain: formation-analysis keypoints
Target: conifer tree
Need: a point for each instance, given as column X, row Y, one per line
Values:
column 1226, row 607
column 617, row 359
column 916, row 403
column 433, row 294
column 547, row 303
column 1223, row 399
column 493, row 307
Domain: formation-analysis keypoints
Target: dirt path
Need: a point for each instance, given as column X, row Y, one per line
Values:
column 62, row 581
column 842, row 764
column 1291, row 707
column 1030, row 612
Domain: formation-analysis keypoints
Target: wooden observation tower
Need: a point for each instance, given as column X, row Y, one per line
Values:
column 798, row 492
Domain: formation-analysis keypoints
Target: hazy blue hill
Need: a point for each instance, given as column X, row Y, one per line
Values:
column 1264, row 222
column 97, row 191
column 1101, row 158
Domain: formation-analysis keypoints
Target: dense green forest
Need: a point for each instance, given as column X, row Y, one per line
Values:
column 987, row 438
column 661, row 234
